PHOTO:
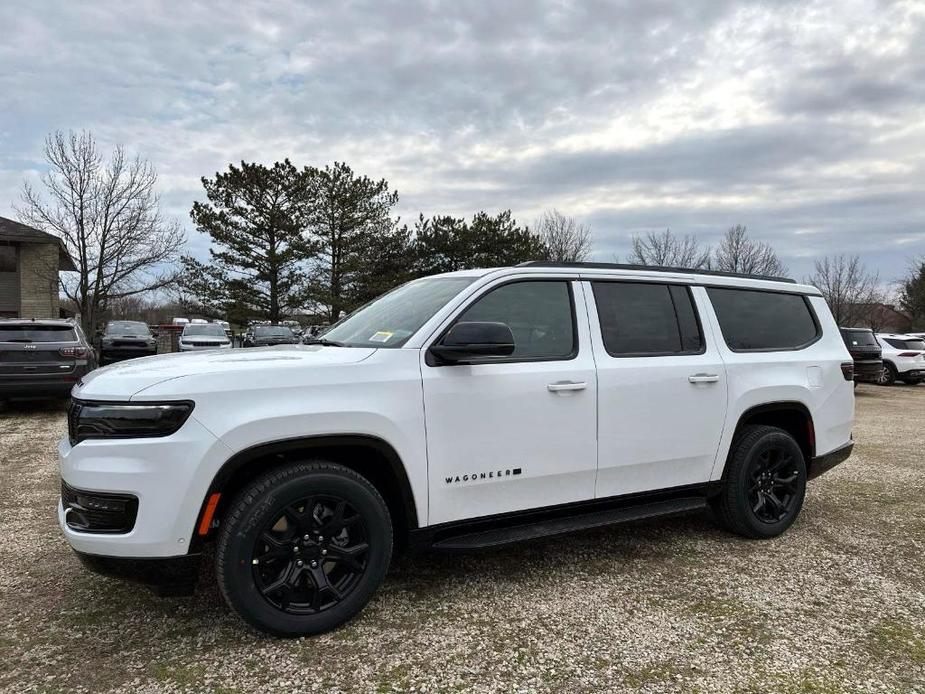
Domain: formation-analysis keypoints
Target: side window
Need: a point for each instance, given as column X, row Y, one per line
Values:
column 540, row 315
column 644, row 318
column 757, row 320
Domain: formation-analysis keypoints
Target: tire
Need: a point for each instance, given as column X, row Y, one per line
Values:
column 303, row 548
column 765, row 483
column 888, row 377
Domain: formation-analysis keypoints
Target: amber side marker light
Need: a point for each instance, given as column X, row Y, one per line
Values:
column 206, row 521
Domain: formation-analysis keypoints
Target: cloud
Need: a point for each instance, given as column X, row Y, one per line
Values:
column 803, row 120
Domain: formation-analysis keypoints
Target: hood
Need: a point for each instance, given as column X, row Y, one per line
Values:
column 125, row 379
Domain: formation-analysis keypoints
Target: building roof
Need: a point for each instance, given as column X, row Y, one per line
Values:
column 11, row 230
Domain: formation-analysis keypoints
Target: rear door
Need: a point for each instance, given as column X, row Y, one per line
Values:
column 661, row 386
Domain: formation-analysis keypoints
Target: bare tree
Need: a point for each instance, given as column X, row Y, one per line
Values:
column 853, row 294
column 107, row 214
column 667, row 250
column 566, row 239
column 738, row 253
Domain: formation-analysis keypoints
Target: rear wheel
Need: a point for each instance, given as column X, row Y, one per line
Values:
column 765, row 483
column 888, row 375
column 303, row 549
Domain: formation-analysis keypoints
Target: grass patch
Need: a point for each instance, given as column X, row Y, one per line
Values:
column 898, row 640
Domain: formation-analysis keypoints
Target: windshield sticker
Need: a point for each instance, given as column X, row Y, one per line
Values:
column 381, row 336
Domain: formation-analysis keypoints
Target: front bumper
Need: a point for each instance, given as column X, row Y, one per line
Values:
column 825, row 462
column 120, row 353
column 169, row 576
column 202, row 348
column 169, row 476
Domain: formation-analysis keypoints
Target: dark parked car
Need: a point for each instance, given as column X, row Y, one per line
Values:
column 866, row 353
column 42, row 358
column 265, row 335
column 126, row 339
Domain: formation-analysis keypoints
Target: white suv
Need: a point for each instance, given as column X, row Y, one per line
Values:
column 903, row 358
column 456, row 412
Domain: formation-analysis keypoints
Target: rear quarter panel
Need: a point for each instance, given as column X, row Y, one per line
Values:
column 811, row 376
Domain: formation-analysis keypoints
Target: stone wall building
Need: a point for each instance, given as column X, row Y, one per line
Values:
column 30, row 261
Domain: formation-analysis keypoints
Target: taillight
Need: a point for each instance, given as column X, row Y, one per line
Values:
column 908, row 354
column 76, row 352
column 847, row 370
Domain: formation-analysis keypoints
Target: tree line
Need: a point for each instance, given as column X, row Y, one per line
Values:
column 325, row 240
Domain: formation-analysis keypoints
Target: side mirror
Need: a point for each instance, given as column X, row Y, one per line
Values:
column 473, row 340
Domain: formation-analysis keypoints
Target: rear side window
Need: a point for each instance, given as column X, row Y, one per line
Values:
column 37, row 333
column 763, row 321
column 905, row 344
column 647, row 319
column 539, row 315
column 859, row 338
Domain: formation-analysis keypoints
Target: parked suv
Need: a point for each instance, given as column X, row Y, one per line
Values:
column 269, row 335
column 42, row 358
column 456, row 412
column 126, row 339
column 198, row 336
column 903, row 358
column 865, row 351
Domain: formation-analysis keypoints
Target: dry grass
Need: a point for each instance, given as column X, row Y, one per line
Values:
column 835, row 605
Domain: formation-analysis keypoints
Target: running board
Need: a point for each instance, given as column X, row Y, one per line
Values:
column 495, row 537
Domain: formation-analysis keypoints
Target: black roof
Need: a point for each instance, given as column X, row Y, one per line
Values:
column 652, row 268
column 17, row 232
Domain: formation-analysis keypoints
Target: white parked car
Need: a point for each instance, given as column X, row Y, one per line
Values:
column 199, row 336
column 903, row 358
column 456, row 412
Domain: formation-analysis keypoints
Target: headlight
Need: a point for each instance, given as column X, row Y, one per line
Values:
column 97, row 420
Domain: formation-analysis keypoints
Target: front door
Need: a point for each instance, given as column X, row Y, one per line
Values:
column 519, row 432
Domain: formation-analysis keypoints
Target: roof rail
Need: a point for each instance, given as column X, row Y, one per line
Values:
column 656, row 268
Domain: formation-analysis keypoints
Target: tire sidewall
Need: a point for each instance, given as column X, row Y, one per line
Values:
column 238, row 541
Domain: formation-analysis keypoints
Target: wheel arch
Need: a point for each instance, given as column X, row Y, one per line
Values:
column 792, row 416
column 370, row 456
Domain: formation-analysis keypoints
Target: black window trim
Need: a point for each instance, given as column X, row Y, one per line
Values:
column 637, row 355
column 797, row 348
column 569, row 284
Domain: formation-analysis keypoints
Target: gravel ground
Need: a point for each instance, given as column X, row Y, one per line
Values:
column 835, row 605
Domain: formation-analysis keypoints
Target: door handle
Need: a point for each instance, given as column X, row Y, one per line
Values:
column 703, row 378
column 560, row 386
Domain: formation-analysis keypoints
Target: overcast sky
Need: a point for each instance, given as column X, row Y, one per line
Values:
column 804, row 120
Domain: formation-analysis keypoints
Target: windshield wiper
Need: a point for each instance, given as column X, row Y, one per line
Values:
column 325, row 342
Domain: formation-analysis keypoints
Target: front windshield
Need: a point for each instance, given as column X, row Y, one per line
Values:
column 127, row 327
column 210, row 329
column 394, row 317
column 272, row 331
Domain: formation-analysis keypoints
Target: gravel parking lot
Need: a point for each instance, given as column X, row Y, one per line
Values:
column 835, row 605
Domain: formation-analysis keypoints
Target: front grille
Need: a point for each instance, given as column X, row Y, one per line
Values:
column 97, row 512
column 128, row 343
column 207, row 344
column 73, row 415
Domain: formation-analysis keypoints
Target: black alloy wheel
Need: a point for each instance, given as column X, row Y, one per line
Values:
column 312, row 556
column 302, row 549
column 774, row 484
column 764, row 483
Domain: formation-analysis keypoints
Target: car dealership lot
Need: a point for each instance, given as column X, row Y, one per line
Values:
column 836, row 604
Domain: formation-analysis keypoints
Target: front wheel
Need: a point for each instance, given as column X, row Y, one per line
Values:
column 303, row 549
column 765, row 483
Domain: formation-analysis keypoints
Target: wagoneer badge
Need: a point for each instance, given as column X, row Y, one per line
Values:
column 490, row 475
